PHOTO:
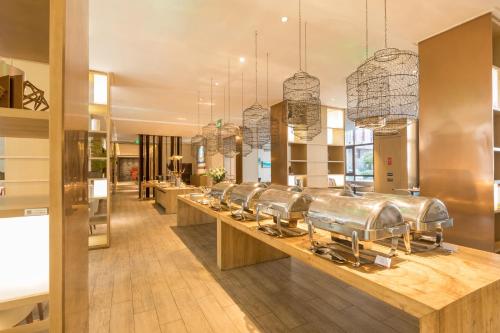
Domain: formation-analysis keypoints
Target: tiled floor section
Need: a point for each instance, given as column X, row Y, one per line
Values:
column 157, row 277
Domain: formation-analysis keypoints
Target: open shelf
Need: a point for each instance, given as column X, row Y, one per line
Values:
column 298, row 152
column 98, row 241
column 21, row 123
column 16, row 206
column 298, row 168
column 335, row 168
column 335, row 153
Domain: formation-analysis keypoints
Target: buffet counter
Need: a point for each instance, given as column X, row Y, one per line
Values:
column 166, row 196
column 446, row 292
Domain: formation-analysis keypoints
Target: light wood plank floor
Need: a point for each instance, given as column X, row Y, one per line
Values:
column 157, row 277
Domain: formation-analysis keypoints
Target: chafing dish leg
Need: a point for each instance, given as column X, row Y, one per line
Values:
column 394, row 246
column 278, row 223
column 407, row 241
column 257, row 215
column 310, row 229
column 439, row 237
column 355, row 249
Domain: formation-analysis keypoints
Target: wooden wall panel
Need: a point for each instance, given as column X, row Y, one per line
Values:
column 455, row 128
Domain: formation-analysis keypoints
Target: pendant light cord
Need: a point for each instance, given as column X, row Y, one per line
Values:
column 229, row 89
column 385, row 20
column 305, row 46
column 300, row 38
column 267, row 79
column 198, row 102
column 211, row 100
column 256, row 93
column 366, row 29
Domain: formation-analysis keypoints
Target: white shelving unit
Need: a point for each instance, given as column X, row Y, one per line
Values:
column 99, row 177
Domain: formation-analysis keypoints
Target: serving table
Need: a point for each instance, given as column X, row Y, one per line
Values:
column 166, row 196
column 458, row 292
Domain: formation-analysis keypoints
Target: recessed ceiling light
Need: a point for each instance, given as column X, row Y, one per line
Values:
column 284, row 19
column 216, row 83
column 242, row 60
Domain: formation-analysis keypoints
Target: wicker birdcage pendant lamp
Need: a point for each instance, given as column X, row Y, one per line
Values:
column 198, row 140
column 382, row 94
column 210, row 132
column 256, row 118
column 229, row 132
column 302, row 95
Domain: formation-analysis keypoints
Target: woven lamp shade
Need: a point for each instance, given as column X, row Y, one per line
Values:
column 210, row 132
column 301, row 92
column 257, row 126
column 196, row 142
column 382, row 93
column 228, row 140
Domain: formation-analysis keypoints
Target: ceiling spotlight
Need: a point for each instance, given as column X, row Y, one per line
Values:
column 242, row 60
column 216, row 83
column 284, row 19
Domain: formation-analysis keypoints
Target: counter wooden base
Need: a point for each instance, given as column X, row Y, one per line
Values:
column 167, row 196
column 447, row 293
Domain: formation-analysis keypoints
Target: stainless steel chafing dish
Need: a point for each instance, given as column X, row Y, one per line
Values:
column 220, row 193
column 244, row 196
column 282, row 205
column 319, row 191
column 285, row 188
column 426, row 216
column 355, row 219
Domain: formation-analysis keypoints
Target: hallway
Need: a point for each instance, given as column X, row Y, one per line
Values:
column 157, row 277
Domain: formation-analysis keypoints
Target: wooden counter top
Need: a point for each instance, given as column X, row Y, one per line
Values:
column 445, row 291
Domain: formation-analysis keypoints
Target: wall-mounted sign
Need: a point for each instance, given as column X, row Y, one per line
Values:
column 218, row 123
column 389, row 160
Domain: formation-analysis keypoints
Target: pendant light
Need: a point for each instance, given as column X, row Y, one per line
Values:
column 210, row 131
column 229, row 132
column 383, row 92
column 302, row 94
column 246, row 134
column 198, row 140
column 256, row 119
column 307, row 133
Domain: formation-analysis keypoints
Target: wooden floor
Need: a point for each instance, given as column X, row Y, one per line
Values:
column 157, row 277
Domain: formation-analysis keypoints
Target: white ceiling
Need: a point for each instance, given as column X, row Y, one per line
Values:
column 162, row 52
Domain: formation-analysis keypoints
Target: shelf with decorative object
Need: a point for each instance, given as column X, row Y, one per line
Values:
column 291, row 155
column 21, row 123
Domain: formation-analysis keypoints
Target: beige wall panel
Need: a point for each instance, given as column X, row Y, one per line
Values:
column 317, row 153
column 317, row 181
column 317, row 169
column 455, row 128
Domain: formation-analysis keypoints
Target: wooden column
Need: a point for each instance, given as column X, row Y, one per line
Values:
column 69, row 88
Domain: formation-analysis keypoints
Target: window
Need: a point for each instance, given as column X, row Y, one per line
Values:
column 359, row 153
